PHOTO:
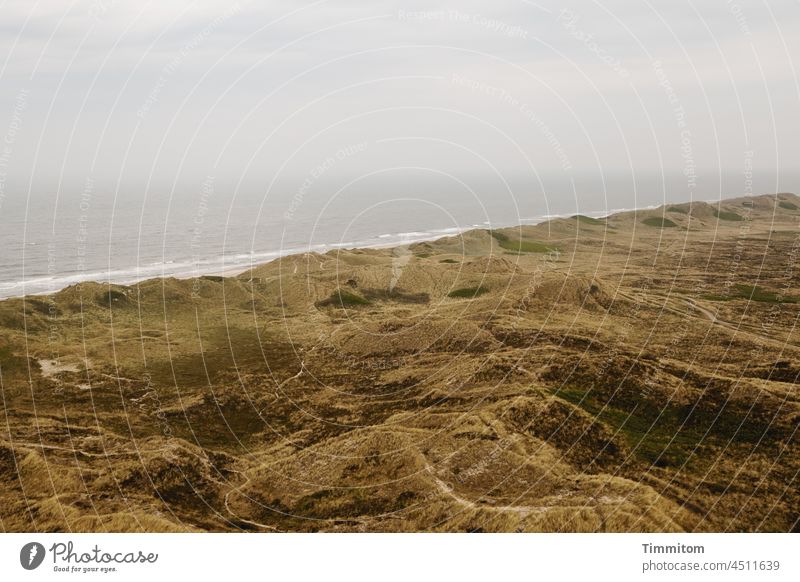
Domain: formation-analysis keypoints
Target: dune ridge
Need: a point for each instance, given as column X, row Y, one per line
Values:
column 633, row 373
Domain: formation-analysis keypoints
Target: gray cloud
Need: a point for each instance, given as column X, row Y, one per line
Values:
column 124, row 91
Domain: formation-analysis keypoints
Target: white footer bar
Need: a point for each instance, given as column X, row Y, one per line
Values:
column 379, row 557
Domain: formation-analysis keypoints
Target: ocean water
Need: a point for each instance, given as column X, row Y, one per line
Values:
column 51, row 238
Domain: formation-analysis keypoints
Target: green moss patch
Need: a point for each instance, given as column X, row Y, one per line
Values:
column 112, row 298
column 669, row 435
column 653, row 434
column 467, row 292
column 659, row 222
column 396, row 295
column 342, row 298
column 757, row 293
column 753, row 293
column 677, row 209
column 588, row 220
column 725, row 215
column 520, row 245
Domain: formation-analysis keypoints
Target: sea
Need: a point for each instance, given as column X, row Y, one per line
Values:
column 57, row 236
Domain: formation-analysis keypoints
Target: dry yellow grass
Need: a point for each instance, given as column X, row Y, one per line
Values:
column 614, row 376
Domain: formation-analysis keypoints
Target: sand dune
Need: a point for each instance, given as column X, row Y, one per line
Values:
column 632, row 373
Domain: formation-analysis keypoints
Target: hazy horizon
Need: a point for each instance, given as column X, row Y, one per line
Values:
column 139, row 138
column 123, row 94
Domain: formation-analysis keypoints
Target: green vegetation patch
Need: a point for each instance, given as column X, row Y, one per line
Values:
column 467, row 292
column 653, row 433
column 666, row 435
column 11, row 363
column 397, row 295
column 757, row 293
column 213, row 278
column 225, row 349
column 112, row 298
column 340, row 504
column 714, row 297
column 521, row 246
column 725, row 215
column 753, row 293
column 659, row 222
column 787, row 205
column 677, row 209
column 589, row 220
column 450, row 261
column 342, row 298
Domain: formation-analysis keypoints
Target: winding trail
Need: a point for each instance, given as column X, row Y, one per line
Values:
column 237, row 517
column 522, row 510
column 737, row 328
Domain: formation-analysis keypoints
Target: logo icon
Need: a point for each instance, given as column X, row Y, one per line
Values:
column 31, row 555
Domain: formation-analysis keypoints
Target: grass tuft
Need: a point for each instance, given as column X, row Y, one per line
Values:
column 677, row 209
column 111, row 298
column 659, row 222
column 467, row 292
column 753, row 293
column 342, row 298
column 725, row 215
column 653, row 433
column 589, row 220
column 521, row 246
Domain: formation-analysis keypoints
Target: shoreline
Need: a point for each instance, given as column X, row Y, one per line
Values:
column 463, row 343
column 264, row 257
column 218, row 267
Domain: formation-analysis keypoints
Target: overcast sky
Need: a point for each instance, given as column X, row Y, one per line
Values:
column 178, row 91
